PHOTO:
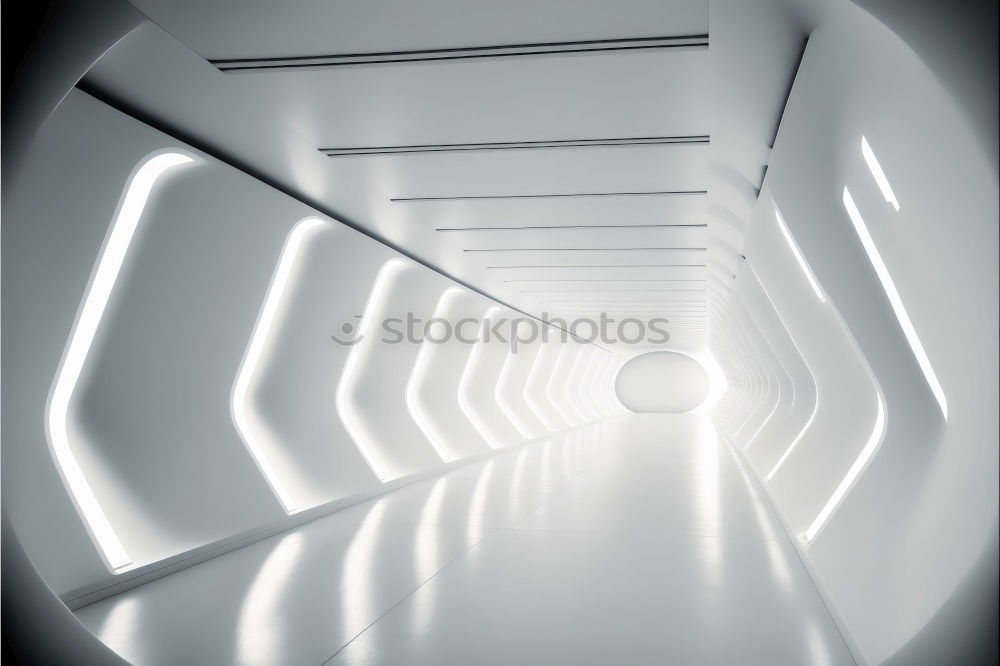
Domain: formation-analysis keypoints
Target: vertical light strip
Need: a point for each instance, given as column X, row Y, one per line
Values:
column 755, row 378
column 502, row 382
column 852, row 474
column 742, row 332
column 465, row 386
column 878, row 174
column 740, row 371
column 779, row 366
column 897, row 303
column 566, row 414
column 595, row 385
column 809, row 422
column 353, row 423
column 418, row 378
column 572, row 382
column 610, row 390
column 582, row 384
column 532, row 380
column 767, row 420
column 239, row 402
column 799, row 257
column 116, row 246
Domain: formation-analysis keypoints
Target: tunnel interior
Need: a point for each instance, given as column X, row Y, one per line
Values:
column 450, row 333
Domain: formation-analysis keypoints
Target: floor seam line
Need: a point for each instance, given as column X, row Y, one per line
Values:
column 409, row 594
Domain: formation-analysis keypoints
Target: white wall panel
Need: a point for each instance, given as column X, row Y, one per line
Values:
column 511, row 390
column 209, row 406
column 926, row 480
column 477, row 390
column 436, row 377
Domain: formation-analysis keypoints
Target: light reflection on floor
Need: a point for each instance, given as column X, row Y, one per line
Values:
column 636, row 540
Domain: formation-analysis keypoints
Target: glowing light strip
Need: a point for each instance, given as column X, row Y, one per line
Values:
column 418, row 377
column 584, row 389
column 852, row 474
column 756, row 358
column 721, row 354
column 353, row 422
column 798, row 256
column 745, row 380
column 616, row 365
column 239, row 402
column 503, row 381
column 754, row 383
column 867, row 452
column 550, row 386
column 896, row 301
column 878, row 173
column 465, row 387
column 767, row 420
column 612, row 389
column 532, row 381
column 598, row 384
column 780, row 366
column 795, row 442
column 116, row 246
column 735, row 403
column 573, row 380
column 809, row 422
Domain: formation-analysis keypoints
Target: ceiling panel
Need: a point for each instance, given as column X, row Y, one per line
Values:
column 572, row 228
column 595, row 96
column 580, row 237
column 557, row 171
column 263, row 28
column 430, row 215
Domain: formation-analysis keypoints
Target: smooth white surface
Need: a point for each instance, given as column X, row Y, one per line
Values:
column 662, row 381
column 242, row 418
column 477, row 388
column 878, row 174
column 368, row 329
column 102, row 282
column 803, row 264
column 636, row 540
column 878, row 432
column 896, row 301
column 419, row 383
column 294, row 112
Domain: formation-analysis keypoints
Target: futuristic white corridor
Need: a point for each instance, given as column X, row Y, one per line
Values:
column 533, row 556
column 500, row 332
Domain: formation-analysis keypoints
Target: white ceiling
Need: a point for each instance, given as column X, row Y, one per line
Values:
column 224, row 29
column 276, row 121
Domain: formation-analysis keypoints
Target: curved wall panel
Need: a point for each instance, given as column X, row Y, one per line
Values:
column 868, row 467
column 200, row 359
column 433, row 386
column 372, row 386
column 512, row 389
column 557, row 390
column 209, row 402
column 538, row 386
column 477, row 389
column 292, row 392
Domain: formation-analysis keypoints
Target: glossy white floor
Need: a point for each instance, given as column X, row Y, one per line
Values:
column 636, row 541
